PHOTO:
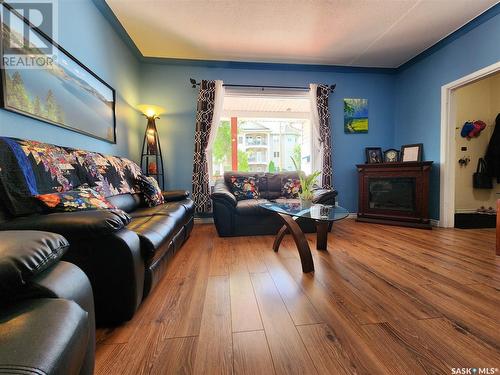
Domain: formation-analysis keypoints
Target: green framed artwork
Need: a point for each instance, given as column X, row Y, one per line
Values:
column 355, row 116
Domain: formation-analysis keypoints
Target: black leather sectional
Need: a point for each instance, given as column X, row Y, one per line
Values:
column 124, row 252
column 246, row 217
column 47, row 323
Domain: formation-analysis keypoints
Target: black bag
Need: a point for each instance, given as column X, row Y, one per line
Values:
column 482, row 179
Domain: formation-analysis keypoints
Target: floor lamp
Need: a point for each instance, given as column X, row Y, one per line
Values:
column 151, row 157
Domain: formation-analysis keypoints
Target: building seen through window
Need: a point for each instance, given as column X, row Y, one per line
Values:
column 262, row 134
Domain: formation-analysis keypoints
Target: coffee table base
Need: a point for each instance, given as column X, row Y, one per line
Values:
column 294, row 229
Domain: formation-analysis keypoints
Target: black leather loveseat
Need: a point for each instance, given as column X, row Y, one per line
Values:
column 245, row 217
column 123, row 251
column 47, row 321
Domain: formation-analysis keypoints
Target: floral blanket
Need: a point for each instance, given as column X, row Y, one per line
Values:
column 30, row 168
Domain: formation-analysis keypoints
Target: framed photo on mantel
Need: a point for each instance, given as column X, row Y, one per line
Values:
column 373, row 155
column 41, row 80
column 412, row 152
column 391, row 156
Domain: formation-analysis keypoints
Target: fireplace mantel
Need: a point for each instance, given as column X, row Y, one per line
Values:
column 395, row 193
column 406, row 165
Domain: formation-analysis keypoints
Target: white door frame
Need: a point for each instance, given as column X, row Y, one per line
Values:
column 448, row 156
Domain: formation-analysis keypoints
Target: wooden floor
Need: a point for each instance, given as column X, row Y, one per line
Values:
column 383, row 300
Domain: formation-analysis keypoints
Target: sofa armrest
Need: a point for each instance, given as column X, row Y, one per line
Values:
column 324, row 196
column 78, row 224
column 222, row 193
column 43, row 336
column 175, row 195
column 24, row 255
column 67, row 281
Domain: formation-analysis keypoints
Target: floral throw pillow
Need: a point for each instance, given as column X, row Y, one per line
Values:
column 81, row 198
column 291, row 188
column 152, row 192
column 244, row 187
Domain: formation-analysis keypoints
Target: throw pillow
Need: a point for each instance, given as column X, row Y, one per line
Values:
column 79, row 199
column 291, row 188
column 152, row 192
column 244, row 187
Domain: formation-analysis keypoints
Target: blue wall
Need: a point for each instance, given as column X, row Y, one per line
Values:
column 418, row 91
column 88, row 36
column 167, row 85
column 404, row 104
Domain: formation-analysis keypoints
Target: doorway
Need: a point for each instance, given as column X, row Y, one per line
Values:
column 467, row 99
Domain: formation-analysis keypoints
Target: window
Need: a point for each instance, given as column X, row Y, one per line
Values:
column 263, row 133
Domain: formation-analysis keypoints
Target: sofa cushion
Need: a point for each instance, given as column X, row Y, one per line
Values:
column 154, row 230
column 166, row 208
column 174, row 209
column 251, row 207
column 126, row 202
column 290, row 188
column 151, row 190
column 244, row 187
column 25, row 254
column 82, row 198
column 43, row 336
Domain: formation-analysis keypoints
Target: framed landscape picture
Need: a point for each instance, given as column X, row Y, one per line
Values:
column 60, row 90
column 355, row 116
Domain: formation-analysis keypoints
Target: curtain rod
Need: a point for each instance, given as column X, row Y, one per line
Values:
column 194, row 84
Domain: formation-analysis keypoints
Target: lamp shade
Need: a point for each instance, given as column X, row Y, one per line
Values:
column 150, row 110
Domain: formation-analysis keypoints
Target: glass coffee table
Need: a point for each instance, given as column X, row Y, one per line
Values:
column 289, row 212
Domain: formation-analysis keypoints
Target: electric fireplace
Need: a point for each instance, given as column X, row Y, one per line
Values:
column 394, row 193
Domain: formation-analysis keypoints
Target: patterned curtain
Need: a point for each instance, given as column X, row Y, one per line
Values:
column 204, row 115
column 325, row 135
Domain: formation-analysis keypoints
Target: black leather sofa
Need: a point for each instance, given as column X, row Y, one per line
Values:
column 124, row 252
column 245, row 217
column 47, row 321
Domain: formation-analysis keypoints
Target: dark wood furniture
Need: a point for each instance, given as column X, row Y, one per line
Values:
column 290, row 226
column 395, row 193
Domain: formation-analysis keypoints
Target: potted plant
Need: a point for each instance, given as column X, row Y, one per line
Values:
column 306, row 186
